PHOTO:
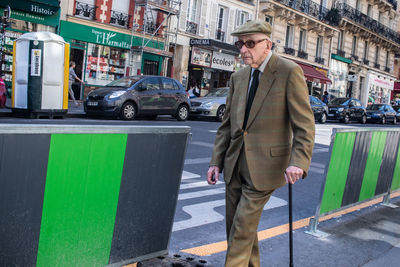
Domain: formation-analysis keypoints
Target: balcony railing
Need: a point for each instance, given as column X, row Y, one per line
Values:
column 289, row 51
column 387, row 69
column 341, row 53
column 220, row 35
column 320, row 60
column 309, row 7
column 191, row 27
column 376, row 65
column 366, row 21
column 354, row 57
column 366, row 61
column 394, row 4
column 119, row 18
column 302, row 54
column 84, row 10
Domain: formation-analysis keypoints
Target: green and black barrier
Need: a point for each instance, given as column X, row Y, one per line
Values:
column 363, row 164
column 87, row 195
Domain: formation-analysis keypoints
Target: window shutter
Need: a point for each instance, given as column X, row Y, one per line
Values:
column 183, row 16
column 231, row 23
column 213, row 20
column 202, row 19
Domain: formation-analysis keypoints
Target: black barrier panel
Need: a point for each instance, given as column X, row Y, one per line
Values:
column 21, row 196
column 149, row 191
column 357, row 168
column 388, row 163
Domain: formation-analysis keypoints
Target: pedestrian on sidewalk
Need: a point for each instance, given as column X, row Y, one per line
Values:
column 72, row 78
column 265, row 140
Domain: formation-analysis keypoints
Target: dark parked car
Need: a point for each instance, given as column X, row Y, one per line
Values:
column 381, row 113
column 133, row 96
column 346, row 110
column 319, row 108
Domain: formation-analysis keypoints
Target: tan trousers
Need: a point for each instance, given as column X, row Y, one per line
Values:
column 244, row 205
column 71, row 92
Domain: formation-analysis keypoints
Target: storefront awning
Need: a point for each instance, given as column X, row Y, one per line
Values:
column 313, row 75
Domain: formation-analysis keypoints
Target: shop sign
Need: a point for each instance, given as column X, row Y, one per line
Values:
column 223, row 61
column 47, row 8
column 381, row 82
column 199, row 42
column 35, row 18
column 201, row 57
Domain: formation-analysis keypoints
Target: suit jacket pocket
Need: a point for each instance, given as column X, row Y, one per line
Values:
column 280, row 151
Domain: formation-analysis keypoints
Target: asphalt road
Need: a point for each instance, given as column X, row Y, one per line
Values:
column 199, row 217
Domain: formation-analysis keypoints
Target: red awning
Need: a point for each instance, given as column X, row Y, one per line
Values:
column 313, row 75
column 396, row 86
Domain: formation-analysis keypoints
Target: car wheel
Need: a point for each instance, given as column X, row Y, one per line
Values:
column 182, row 113
column 394, row 120
column 323, row 118
column 363, row 119
column 346, row 118
column 128, row 111
column 383, row 120
column 220, row 112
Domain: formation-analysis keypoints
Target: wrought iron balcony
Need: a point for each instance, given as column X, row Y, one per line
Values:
column 341, row 53
column 191, row 27
column 394, row 4
column 309, row 7
column 150, row 27
column 376, row 65
column 220, row 35
column 302, row 54
column 84, row 10
column 387, row 69
column 119, row 18
column 320, row 60
column 366, row 61
column 289, row 51
column 354, row 57
column 366, row 21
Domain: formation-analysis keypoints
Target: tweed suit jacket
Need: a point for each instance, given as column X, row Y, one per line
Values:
column 280, row 129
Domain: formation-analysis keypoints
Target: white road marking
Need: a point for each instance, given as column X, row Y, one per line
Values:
column 197, row 161
column 212, row 131
column 204, row 213
column 201, row 193
column 202, row 144
column 189, row 175
column 196, row 185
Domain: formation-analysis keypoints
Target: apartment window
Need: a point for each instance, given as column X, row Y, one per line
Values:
column 377, row 55
column 268, row 19
column 320, row 42
column 340, row 40
column 241, row 17
column 302, row 40
column 369, row 10
column 289, row 36
column 358, row 5
column 366, row 48
column 221, row 24
column 387, row 59
column 191, row 12
column 354, row 46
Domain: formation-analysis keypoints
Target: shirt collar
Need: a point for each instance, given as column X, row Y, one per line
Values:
column 261, row 68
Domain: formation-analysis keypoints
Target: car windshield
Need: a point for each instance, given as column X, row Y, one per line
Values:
column 123, row 82
column 219, row 93
column 375, row 107
column 340, row 101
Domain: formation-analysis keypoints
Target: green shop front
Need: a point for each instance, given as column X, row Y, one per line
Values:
column 101, row 55
column 26, row 16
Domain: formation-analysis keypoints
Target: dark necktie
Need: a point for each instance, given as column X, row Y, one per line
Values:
column 252, row 93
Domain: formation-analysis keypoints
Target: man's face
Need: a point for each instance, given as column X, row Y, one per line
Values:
column 256, row 55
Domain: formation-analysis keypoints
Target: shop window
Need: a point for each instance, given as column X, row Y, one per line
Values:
column 104, row 64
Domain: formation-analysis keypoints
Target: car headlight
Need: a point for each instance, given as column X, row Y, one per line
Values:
column 340, row 109
column 116, row 94
column 207, row 105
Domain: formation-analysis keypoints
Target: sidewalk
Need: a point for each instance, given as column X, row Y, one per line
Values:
column 76, row 112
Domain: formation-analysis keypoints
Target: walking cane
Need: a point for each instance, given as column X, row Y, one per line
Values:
column 290, row 226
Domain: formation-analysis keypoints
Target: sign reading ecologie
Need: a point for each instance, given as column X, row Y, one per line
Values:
column 223, row 61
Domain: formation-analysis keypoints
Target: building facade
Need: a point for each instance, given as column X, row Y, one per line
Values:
column 205, row 54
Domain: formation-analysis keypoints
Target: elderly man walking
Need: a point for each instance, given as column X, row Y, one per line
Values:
column 265, row 139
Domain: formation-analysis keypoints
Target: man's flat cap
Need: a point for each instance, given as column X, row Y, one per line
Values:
column 253, row 26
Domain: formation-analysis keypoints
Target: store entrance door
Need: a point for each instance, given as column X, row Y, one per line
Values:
column 77, row 56
column 150, row 67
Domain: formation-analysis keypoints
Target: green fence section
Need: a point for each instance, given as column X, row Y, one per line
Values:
column 374, row 160
column 337, row 172
column 81, row 198
column 396, row 176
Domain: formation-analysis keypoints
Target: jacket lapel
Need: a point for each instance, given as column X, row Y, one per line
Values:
column 242, row 84
column 266, row 81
